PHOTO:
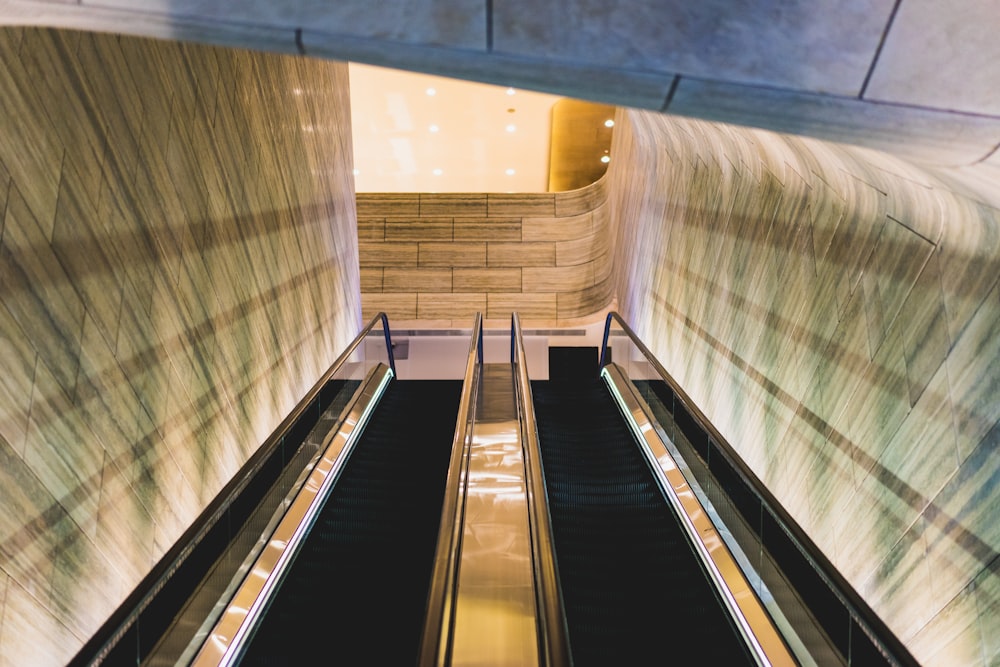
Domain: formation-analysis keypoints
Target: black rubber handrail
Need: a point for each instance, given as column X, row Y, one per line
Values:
column 876, row 629
column 124, row 618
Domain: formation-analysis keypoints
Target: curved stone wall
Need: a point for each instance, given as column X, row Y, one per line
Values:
column 434, row 260
column 836, row 313
column 178, row 266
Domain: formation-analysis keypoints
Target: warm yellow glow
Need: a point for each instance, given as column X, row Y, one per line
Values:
column 396, row 149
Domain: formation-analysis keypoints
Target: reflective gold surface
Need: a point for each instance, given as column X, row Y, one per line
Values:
column 435, row 645
column 495, row 610
column 554, row 648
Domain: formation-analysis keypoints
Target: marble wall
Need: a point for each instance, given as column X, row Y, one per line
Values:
column 836, row 313
column 178, row 264
column 437, row 259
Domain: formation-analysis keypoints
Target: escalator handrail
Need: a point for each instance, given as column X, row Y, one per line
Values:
column 435, row 644
column 856, row 606
column 553, row 633
column 107, row 637
column 232, row 631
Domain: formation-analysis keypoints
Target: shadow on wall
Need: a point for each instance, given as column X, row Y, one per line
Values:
column 178, row 264
column 839, row 322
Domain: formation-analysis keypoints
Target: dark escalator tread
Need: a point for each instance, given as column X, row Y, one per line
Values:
column 357, row 591
column 633, row 591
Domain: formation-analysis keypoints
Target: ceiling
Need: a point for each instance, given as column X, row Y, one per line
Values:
column 422, row 133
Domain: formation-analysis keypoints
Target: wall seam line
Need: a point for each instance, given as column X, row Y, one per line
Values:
column 878, row 49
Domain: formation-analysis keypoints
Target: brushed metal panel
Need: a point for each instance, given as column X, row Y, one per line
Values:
column 495, row 609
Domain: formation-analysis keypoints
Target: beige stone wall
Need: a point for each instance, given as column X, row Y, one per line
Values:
column 177, row 266
column 836, row 313
column 437, row 259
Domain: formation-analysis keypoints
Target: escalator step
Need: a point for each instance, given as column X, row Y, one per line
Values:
column 365, row 567
column 633, row 589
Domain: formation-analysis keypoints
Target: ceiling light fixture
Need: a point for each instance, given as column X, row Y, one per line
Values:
column 512, row 128
column 434, row 128
column 510, row 172
column 431, row 92
column 605, row 159
column 438, row 172
column 609, row 123
column 511, row 91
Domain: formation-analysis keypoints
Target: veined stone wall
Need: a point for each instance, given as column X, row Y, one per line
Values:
column 178, row 265
column 836, row 314
column 437, row 259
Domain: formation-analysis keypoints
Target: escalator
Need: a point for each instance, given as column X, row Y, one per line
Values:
column 634, row 592
column 491, row 516
column 367, row 561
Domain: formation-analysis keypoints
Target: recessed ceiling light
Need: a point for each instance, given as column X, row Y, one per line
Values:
column 609, row 123
column 437, row 172
column 434, row 128
column 357, row 172
column 510, row 172
column 605, row 159
column 511, row 91
column 431, row 92
column 512, row 128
